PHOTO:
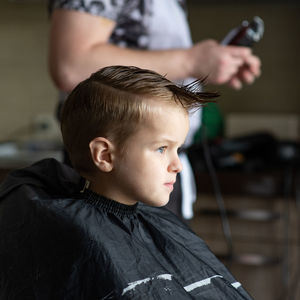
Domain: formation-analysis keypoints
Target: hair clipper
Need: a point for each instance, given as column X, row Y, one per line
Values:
column 246, row 34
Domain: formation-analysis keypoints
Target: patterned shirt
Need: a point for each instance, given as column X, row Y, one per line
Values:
column 138, row 22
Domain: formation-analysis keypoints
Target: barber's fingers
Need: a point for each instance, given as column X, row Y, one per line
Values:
column 248, row 72
column 227, row 68
column 246, row 76
column 235, row 83
column 245, row 53
column 239, row 51
column 254, row 65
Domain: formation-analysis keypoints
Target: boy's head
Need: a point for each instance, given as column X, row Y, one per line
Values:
column 109, row 115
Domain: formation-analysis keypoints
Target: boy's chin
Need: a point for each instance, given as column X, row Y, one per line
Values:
column 157, row 203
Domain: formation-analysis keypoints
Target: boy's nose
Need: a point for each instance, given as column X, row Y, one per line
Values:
column 175, row 165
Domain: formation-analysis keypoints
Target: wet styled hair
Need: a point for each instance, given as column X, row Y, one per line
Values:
column 112, row 102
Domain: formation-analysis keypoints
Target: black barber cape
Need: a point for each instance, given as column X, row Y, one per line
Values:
column 59, row 243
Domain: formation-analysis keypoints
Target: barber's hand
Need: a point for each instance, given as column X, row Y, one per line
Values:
column 248, row 72
column 232, row 65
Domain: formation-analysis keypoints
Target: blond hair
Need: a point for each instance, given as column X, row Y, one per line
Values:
column 112, row 102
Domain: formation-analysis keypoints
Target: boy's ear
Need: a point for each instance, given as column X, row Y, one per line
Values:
column 102, row 153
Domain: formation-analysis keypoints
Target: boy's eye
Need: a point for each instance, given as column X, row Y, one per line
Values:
column 162, row 149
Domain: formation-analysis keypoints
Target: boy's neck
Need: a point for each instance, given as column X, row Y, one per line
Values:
column 103, row 188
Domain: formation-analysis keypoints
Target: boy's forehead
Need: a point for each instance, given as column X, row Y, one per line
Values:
column 161, row 115
column 164, row 105
column 165, row 126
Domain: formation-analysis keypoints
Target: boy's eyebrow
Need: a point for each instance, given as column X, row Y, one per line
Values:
column 166, row 140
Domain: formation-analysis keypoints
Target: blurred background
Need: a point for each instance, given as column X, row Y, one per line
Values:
column 262, row 249
column 28, row 95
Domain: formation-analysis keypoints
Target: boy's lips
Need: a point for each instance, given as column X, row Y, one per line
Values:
column 170, row 185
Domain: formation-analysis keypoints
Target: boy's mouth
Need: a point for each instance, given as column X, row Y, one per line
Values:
column 170, row 185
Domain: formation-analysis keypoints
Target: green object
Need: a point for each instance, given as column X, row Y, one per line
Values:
column 212, row 125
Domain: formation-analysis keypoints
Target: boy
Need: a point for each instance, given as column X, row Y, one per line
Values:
column 103, row 234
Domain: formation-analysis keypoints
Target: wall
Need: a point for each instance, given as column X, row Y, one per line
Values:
column 25, row 87
column 277, row 90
